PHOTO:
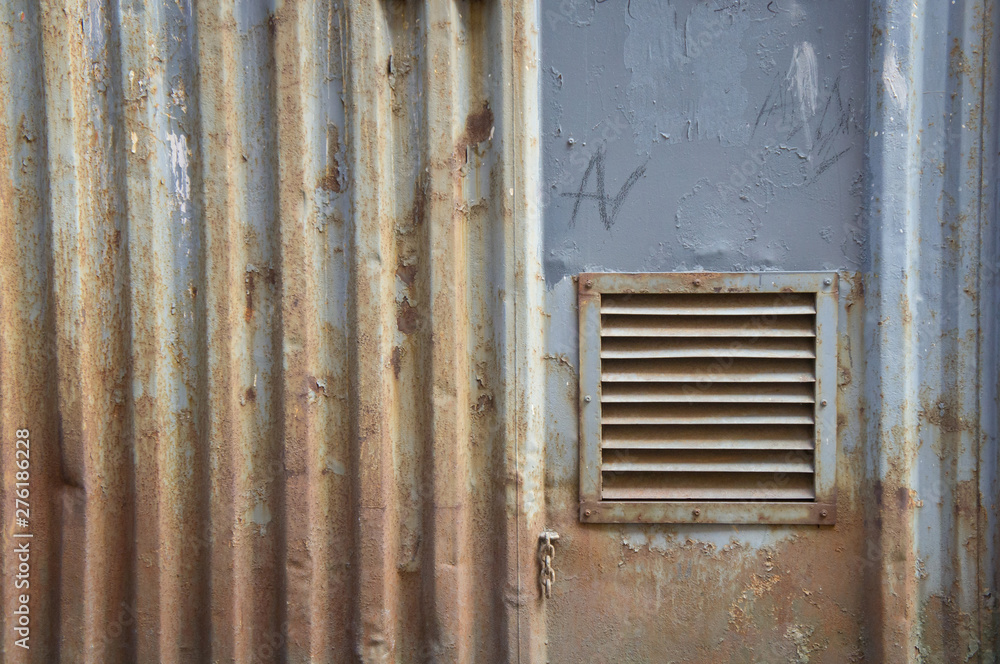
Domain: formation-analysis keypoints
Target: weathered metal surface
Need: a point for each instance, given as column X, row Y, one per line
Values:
column 260, row 266
column 272, row 306
column 687, row 136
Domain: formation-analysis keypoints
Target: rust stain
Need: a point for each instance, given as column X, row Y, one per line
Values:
column 483, row 403
column 419, row 199
column 395, row 360
column 331, row 178
column 251, row 286
column 478, row 126
column 407, row 319
column 406, row 273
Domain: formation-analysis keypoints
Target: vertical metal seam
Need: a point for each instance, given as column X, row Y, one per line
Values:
column 515, row 164
column 981, row 523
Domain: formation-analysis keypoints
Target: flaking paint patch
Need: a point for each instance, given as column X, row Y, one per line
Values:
column 892, row 77
column 260, row 516
column 179, row 172
column 709, row 538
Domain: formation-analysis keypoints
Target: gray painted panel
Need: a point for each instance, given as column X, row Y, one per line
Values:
column 727, row 136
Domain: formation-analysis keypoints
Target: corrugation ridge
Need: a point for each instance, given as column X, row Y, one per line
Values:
column 483, row 270
column 62, row 202
column 165, row 255
column 954, row 357
column 989, row 477
column 91, row 285
column 409, row 361
column 891, row 347
column 146, row 210
column 26, row 344
column 306, row 400
column 525, row 494
column 199, row 551
column 259, row 474
column 334, row 625
column 449, row 632
column 186, row 635
column 377, row 594
column 216, row 155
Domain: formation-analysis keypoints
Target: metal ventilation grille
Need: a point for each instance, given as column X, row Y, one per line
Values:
column 704, row 397
column 708, row 397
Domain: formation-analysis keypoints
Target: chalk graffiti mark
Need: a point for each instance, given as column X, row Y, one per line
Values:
column 832, row 123
column 607, row 206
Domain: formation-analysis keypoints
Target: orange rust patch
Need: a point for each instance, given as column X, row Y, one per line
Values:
column 406, row 273
column 478, row 126
column 419, row 199
column 484, row 403
column 945, row 415
column 406, row 317
column 251, row 286
column 395, row 359
column 330, row 180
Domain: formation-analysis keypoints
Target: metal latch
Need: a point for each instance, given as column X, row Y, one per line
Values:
column 546, row 552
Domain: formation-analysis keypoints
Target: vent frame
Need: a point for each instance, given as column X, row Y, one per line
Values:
column 819, row 510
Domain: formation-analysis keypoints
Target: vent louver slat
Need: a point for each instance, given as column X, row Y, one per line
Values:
column 628, row 325
column 707, row 392
column 628, row 348
column 708, row 396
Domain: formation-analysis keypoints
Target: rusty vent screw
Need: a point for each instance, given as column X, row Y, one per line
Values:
column 697, row 282
column 590, row 283
column 827, row 282
column 823, row 402
column 587, row 398
column 822, row 514
column 697, row 512
column 587, row 513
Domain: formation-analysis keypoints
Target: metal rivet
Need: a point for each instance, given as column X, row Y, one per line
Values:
column 587, row 513
column 823, row 402
column 587, row 398
column 590, row 283
column 697, row 282
column 827, row 282
column 697, row 512
column 822, row 514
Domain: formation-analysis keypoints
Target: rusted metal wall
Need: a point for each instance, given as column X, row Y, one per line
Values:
column 286, row 304
column 259, row 294
column 851, row 136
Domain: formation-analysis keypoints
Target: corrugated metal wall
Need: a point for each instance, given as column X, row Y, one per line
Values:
column 273, row 308
column 258, row 313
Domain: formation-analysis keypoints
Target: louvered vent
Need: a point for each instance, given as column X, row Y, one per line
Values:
column 707, row 396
